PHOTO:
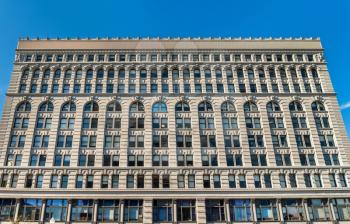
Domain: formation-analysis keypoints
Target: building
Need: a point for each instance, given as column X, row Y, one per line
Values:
column 207, row 130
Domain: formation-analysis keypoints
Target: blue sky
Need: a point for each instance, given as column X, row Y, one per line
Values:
column 329, row 20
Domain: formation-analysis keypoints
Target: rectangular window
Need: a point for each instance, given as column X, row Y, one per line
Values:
column 215, row 211
column 186, row 210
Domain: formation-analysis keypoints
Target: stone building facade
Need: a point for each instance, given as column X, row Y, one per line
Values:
column 180, row 130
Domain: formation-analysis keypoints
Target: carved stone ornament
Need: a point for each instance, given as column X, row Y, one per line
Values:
column 94, row 98
column 230, row 98
column 116, row 98
column 251, row 98
column 70, row 98
column 207, row 98
column 275, row 98
column 26, row 98
column 184, row 98
column 320, row 57
column 138, row 98
column 319, row 98
column 17, row 58
column 86, row 67
column 48, row 98
column 162, row 99
column 297, row 98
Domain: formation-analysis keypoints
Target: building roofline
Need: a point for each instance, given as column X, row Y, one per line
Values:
column 171, row 38
column 167, row 43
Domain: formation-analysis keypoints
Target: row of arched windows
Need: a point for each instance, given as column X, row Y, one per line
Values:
column 164, row 72
column 137, row 106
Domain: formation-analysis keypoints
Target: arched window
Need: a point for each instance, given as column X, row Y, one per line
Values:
column 205, row 106
column 25, row 74
column 46, row 107
column 197, row 73
column 36, row 74
column 314, row 73
column 272, row 73
column 218, row 73
column 110, row 74
column 132, row 73
column 240, row 73
column 89, row 74
column 137, row 107
column 121, row 73
column 293, row 72
column 91, row 107
column 68, row 74
column 143, row 73
column 207, row 73
column 154, row 73
column 159, row 107
column 273, row 107
column 100, row 74
column 228, row 107
column 295, row 106
column 46, row 74
column 250, row 74
column 114, row 106
column 57, row 74
column 164, row 73
column 303, row 72
column 282, row 73
column 175, row 73
column 250, row 107
column 182, row 107
column 69, row 106
column 261, row 73
column 186, row 73
column 229, row 74
column 317, row 106
column 24, row 107
column 78, row 74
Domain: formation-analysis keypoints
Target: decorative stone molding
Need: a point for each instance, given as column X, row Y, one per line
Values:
column 26, row 98
column 251, row 99
column 275, row 99
column 297, row 98
column 319, row 98
column 70, row 98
